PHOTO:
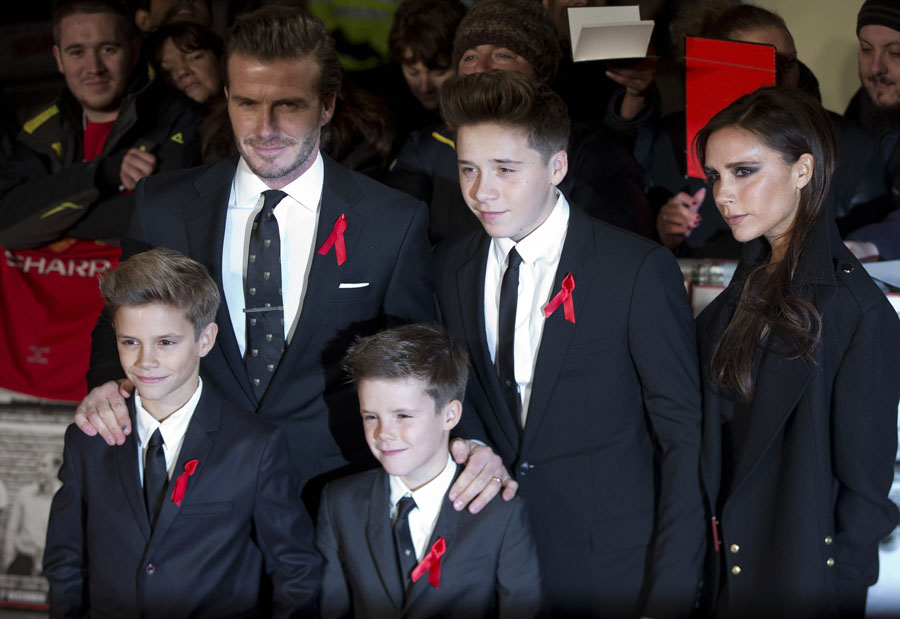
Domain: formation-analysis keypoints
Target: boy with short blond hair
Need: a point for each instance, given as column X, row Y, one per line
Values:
column 393, row 544
column 197, row 514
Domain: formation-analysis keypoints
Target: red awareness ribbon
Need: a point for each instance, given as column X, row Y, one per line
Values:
column 181, row 483
column 564, row 298
column 336, row 238
column 432, row 564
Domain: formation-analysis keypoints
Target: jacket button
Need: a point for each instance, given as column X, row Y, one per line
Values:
column 829, row 562
column 847, row 268
column 524, row 468
column 736, row 570
column 828, row 541
column 150, row 569
column 734, row 548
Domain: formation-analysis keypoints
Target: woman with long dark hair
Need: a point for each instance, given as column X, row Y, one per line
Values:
column 802, row 377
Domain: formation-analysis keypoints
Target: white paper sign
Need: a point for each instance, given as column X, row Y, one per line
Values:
column 608, row 32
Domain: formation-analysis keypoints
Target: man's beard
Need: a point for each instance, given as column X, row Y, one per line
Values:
column 271, row 171
column 885, row 117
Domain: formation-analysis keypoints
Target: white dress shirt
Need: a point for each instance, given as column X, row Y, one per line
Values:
column 540, row 252
column 298, row 218
column 429, row 500
column 172, row 429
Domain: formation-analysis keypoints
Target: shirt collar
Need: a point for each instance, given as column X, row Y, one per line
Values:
column 306, row 189
column 543, row 243
column 429, row 497
column 172, row 427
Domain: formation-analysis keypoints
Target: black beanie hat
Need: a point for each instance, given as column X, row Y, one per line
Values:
column 879, row 13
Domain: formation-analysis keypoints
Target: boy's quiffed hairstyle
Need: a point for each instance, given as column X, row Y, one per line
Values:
column 508, row 98
column 285, row 33
column 425, row 352
column 167, row 277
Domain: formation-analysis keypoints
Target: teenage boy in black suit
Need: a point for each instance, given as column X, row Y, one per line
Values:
column 411, row 381
column 306, row 253
column 197, row 514
column 585, row 365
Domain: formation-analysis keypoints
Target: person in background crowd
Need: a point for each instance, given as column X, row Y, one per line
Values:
column 688, row 222
column 76, row 162
column 26, row 529
column 517, row 35
column 421, row 43
column 188, row 56
column 801, row 380
column 152, row 14
column 345, row 256
column 876, row 106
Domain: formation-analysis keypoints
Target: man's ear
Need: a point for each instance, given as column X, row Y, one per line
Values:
column 56, row 56
column 208, row 338
column 142, row 20
column 451, row 413
column 559, row 161
column 328, row 102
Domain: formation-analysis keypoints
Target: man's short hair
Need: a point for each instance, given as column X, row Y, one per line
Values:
column 167, row 277
column 91, row 7
column 426, row 29
column 285, row 33
column 425, row 352
column 508, row 98
column 187, row 37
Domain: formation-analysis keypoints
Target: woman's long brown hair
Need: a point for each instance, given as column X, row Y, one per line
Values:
column 771, row 309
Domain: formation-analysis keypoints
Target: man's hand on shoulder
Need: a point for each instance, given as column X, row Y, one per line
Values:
column 103, row 411
column 136, row 165
column 482, row 478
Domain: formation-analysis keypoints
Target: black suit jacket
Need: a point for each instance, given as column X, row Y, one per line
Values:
column 806, row 501
column 608, row 459
column 309, row 397
column 490, row 567
column 240, row 543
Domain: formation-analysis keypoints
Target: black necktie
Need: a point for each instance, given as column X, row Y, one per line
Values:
column 155, row 476
column 406, row 552
column 506, row 326
column 262, row 296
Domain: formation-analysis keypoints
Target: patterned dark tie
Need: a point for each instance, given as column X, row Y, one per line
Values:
column 506, row 326
column 156, row 477
column 406, row 552
column 263, row 298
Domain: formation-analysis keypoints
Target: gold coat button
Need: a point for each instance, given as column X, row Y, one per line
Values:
column 828, row 540
column 734, row 548
column 736, row 570
column 829, row 562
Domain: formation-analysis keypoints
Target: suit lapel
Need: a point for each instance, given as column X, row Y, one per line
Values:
column 470, row 300
column 205, row 225
column 447, row 527
column 340, row 194
column 780, row 385
column 126, row 458
column 380, row 538
column 558, row 331
column 196, row 446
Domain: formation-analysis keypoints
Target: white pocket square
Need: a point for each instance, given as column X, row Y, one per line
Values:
column 359, row 285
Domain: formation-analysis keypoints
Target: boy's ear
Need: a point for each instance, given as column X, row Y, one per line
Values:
column 559, row 163
column 451, row 413
column 208, row 338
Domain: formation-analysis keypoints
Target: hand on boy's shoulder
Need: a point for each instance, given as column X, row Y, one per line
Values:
column 103, row 411
column 481, row 479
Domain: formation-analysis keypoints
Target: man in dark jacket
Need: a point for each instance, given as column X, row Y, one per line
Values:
column 603, row 177
column 876, row 106
column 75, row 163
